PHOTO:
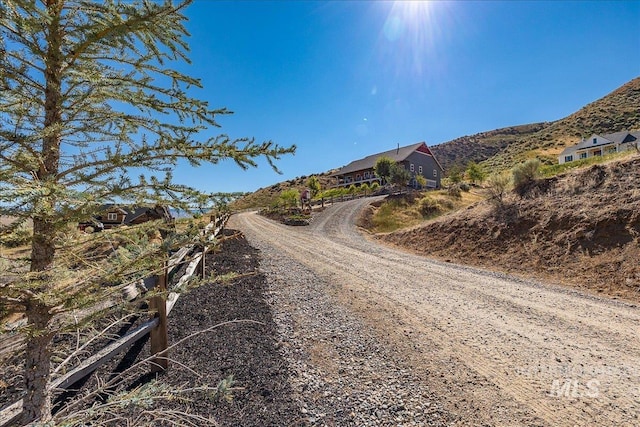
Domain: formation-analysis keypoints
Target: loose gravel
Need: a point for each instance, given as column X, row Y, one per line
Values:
column 367, row 328
column 344, row 375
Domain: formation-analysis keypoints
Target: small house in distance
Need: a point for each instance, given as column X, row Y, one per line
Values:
column 600, row 145
column 114, row 216
column 416, row 158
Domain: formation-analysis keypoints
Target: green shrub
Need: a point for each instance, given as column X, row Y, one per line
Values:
column 383, row 167
column 455, row 174
column 289, row 198
column 476, row 173
column 454, row 191
column 429, row 207
column 497, row 185
column 375, row 186
column 525, row 173
column 400, row 176
column 314, row 185
column 446, row 204
column 464, row 186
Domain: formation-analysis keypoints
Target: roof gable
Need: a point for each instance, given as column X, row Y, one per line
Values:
column 587, row 143
column 618, row 137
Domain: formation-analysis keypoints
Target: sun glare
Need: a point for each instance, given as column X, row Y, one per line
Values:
column 412, row 31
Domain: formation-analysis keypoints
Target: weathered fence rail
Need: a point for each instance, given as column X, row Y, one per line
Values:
column 155, row 326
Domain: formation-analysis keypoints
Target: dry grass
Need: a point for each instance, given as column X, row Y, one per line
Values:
column 398, row 212
column 15, row 253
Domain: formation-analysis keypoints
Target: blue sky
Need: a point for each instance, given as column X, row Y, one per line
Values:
column 342, row 80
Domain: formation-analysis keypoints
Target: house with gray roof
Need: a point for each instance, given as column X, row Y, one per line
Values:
column 416, row 158
column 113, row 215
column 600, row 145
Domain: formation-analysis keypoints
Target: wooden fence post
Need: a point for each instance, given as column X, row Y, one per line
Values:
column 159, row 335
column 204, row 255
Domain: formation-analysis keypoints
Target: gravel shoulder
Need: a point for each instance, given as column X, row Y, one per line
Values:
column 377, row 336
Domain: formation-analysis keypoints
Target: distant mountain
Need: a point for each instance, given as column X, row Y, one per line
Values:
column 481, row 146
column 503, row 148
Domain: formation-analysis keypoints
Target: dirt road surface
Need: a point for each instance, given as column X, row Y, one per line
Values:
column 491, row 349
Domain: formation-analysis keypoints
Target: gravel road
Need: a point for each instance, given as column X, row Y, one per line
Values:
column 378, row 336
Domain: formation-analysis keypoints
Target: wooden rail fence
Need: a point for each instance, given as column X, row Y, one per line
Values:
column 156, row 326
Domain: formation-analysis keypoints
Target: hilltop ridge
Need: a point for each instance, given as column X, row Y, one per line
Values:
column 501, row 149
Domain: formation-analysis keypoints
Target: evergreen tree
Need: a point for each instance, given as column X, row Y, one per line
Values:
column 88, row 93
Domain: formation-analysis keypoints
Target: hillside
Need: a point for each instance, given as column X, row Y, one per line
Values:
column 482, row 146
column 619, row 110
column 501, row 149
column 582, row 229
column 264, row 197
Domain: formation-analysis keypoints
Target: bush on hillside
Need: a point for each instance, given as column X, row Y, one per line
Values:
column 454, row 191
column 429, row 206
column 476, row 173
column 497, row 185
column 524, row 174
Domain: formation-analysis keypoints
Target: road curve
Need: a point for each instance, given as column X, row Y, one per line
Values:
column 498, row 350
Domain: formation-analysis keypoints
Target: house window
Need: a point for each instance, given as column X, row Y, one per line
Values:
column 411, row 167
column 419, row 169
column 597, row 153
column 583, row 155
column 435, row 172
column 595, row 140
column 358, row 177
column 568, row 158
column 366, row 175
column 112, row 216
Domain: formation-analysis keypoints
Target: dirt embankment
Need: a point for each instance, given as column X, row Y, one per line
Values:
column 580, row 229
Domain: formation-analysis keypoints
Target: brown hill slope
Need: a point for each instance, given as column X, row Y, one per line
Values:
column 583, row 230
column 619, row 110
column 503, row 148
column 481, row 146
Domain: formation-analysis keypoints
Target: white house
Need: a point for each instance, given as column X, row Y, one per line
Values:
column 600, row 145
